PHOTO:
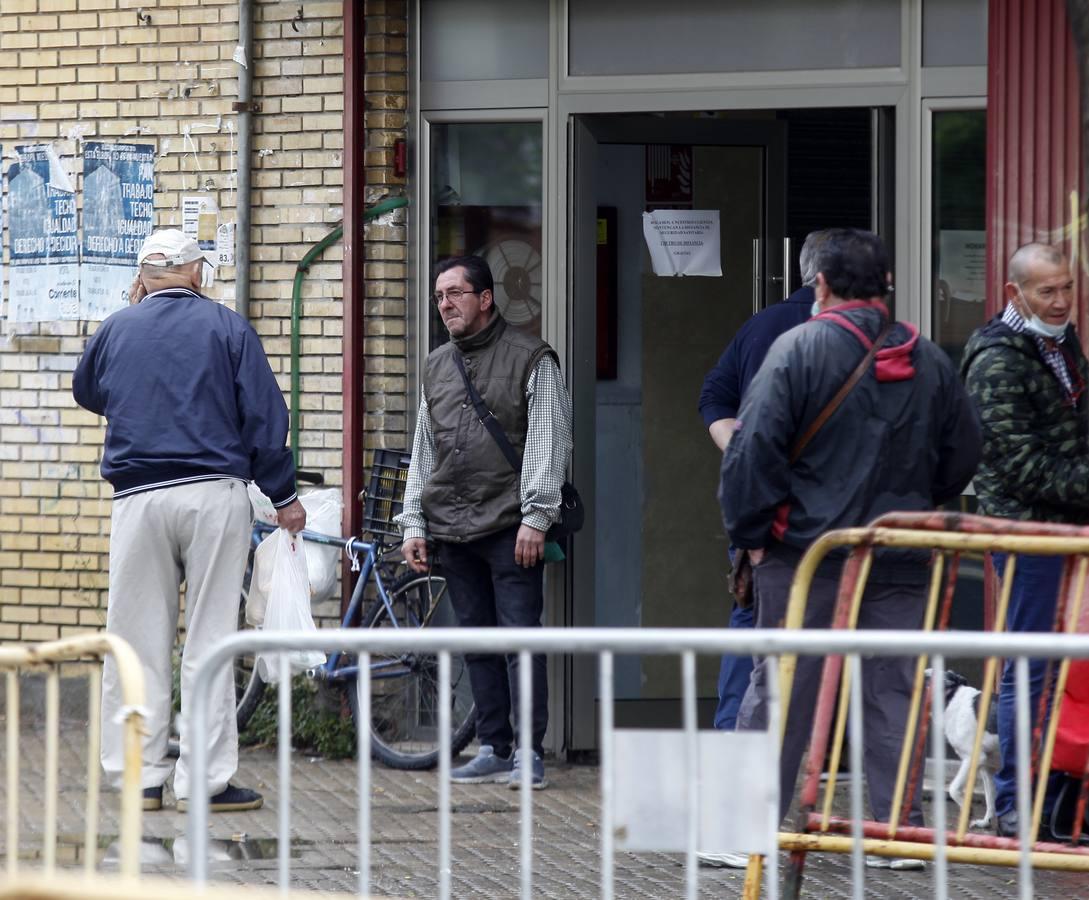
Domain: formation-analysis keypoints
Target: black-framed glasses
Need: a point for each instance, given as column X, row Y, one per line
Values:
column 453, row 295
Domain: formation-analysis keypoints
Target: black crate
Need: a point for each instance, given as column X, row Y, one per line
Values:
column 386, row 492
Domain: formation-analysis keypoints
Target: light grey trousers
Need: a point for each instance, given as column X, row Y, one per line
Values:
column 198, row 532
column 886, row 681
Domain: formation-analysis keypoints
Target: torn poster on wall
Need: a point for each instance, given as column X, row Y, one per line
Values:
column 44, row 250
column 118, row 214
column 200, row 217
column 683, row 241
column 1, row 254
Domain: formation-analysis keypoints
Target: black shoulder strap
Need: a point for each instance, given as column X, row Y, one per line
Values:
column 487, row 419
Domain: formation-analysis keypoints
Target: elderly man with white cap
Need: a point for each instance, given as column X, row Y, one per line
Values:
column 193, row 412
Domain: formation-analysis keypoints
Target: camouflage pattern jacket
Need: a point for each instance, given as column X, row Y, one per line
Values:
column 1035, row 437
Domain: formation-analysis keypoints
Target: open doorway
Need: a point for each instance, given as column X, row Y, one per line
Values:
column 657, row 554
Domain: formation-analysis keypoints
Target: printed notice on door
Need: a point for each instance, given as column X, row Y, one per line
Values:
column 962, row 269
column 683, row 241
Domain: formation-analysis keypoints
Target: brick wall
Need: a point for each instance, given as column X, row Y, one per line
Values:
column 75, row 70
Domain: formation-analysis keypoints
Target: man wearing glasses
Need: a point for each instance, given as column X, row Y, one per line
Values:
column 487, row 518
column 1027, row 374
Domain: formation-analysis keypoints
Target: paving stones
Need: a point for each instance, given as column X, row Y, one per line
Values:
column 485, row 830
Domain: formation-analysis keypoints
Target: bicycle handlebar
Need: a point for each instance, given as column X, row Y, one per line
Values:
column 327, row 540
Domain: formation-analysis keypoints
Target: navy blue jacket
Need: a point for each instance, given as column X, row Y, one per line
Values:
column 726, row 383
column 188, row 396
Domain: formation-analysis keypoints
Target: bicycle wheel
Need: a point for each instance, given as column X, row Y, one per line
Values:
column 405, row 687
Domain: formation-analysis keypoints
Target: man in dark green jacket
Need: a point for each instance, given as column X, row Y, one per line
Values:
column 1027, row 374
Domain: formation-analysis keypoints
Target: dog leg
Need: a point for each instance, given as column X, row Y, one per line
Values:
column 989, row 794
column 956, row 787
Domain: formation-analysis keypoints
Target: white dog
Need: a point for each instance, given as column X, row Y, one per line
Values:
column 961, row 717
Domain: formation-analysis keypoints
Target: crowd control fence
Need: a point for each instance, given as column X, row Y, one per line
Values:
column 48, row 658
column 949, row 537
column 717, row 808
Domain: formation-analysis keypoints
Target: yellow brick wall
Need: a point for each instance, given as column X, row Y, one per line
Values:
column 75, row 70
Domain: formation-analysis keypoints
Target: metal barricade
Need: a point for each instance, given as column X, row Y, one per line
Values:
column 73, row 888
column 953, row 535
column 48, row 658
column 607, row 643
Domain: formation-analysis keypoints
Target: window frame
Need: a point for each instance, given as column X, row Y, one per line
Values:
column 422, row 231
column 926, row 219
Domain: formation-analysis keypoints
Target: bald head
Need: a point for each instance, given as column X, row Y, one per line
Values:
column 1030, row 257
column 1041, row 287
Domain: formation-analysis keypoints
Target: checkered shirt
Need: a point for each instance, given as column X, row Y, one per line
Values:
column 544, row 461
column 1050, row 350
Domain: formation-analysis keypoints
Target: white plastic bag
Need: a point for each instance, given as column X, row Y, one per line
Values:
column 323, row 510
column 288, row 606
column 263, row 510
column 264, row 562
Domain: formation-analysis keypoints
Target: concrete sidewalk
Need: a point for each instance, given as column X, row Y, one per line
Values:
column 485, row 831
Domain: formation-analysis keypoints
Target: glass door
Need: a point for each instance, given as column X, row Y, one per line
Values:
column 486, row 200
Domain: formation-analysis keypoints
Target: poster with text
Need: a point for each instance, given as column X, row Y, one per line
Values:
column 44, row 250
column 118, row 214
column 1, row 254
column 962, row 265
column 683, row 241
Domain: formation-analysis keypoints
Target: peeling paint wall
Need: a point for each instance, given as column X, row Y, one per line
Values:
column 166, row 74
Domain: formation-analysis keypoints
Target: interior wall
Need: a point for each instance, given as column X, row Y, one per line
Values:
column 618, row 534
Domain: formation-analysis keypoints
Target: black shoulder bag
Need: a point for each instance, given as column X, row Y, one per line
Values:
column 572, row 513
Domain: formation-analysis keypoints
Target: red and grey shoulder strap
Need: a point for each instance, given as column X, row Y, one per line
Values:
column 841, row 395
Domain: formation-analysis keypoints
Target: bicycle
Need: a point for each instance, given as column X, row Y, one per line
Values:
column 404, row 712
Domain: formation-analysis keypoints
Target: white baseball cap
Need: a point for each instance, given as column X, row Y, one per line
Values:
column 176, row 246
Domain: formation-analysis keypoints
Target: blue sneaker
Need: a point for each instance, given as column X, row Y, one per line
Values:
column 153, row 798
column 230, row 799
column 538, row 777
column 484, row 768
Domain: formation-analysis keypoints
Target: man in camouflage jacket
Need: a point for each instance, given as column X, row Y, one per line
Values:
column 1026, row 372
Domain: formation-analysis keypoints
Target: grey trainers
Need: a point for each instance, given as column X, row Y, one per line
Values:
column 537, row 779
column 484, row 768
column 723, row 860
column 896, row 863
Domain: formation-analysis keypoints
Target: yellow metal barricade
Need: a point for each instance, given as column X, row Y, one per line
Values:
column 947, row 537
column 48, row 658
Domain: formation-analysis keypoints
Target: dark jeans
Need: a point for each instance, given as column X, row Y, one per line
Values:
column 488, row 589
column 886, row 681
column 733, row 676
column 1032, row 608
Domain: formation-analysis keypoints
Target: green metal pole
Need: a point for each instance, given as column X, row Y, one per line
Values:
column 296, row 304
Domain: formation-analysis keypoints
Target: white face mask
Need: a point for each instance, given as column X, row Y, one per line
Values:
column 1035, row 325
column 815, row 309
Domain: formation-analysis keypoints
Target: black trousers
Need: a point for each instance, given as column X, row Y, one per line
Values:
column 489, row 590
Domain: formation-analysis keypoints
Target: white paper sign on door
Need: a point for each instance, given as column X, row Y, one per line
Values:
column 963, row 269
column 683, row 241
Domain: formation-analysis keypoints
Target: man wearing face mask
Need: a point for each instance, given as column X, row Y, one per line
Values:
column 1027, row 374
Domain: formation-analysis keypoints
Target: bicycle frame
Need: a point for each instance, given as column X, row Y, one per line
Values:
column 369, row 557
